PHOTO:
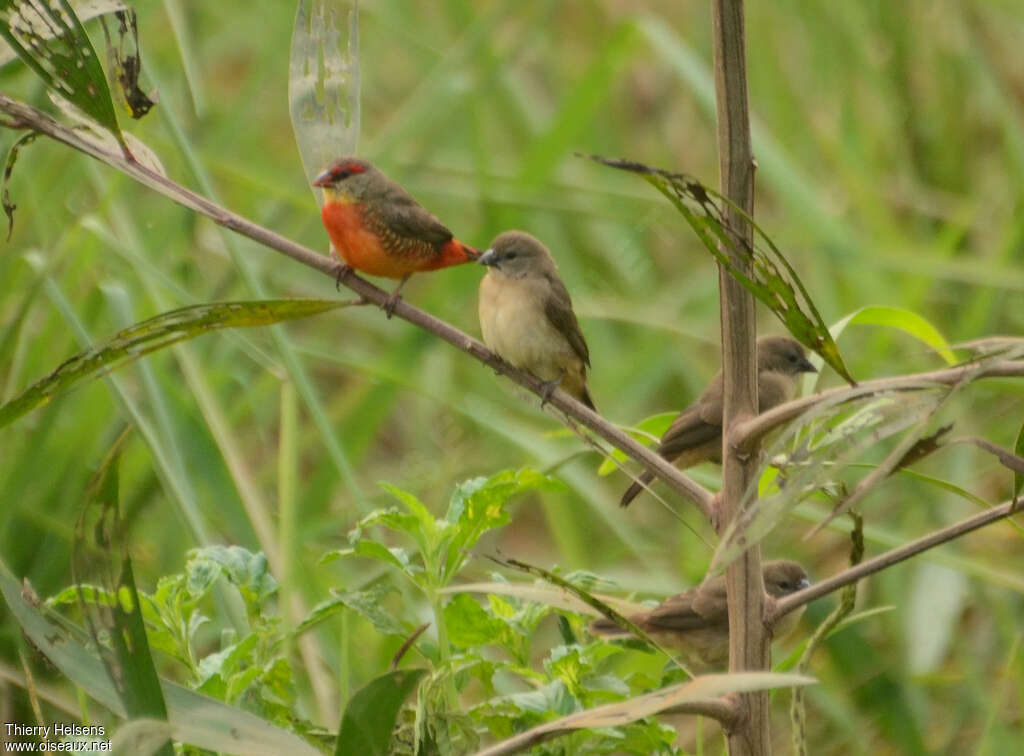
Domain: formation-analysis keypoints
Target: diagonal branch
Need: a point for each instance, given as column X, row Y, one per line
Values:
column 23, row 116
column 882, row 561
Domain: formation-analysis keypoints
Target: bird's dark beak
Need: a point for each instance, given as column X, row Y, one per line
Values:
column 805, row 366
column 488, row 258
column 324, row 179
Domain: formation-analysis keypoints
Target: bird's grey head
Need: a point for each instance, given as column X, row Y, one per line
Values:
column 516, row 254
column 782, row 354
column 349, row 179
column 784, row 577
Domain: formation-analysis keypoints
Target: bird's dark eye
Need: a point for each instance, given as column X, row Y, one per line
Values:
column 511, row 255
column 341, row 174
column 793, row 358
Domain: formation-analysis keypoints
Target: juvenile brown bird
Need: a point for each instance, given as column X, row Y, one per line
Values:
column 696, row 435
column 526, row 314
column 376, row 227
column 697, row 622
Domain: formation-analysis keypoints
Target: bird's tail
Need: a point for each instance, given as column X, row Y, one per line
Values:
column 645, row 479
column 585, row 398
column 607, row 628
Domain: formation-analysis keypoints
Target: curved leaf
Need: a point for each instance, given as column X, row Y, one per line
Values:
column 370, row 715
column 905, row 320
column 156, row 333
column 65, row 60
column 323, row 81
column 771, row 278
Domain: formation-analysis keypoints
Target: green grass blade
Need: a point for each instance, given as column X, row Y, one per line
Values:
column 156, row 333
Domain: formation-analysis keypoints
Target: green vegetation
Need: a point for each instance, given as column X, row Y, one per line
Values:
column 890, row 143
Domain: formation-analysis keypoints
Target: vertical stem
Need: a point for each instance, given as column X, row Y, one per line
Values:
column 748, row 641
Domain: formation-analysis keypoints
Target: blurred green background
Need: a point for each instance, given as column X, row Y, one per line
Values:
column 890, row 144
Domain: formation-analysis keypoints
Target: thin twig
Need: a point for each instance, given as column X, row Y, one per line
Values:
column 749, row 432
column 35, row 119
column 882, row 561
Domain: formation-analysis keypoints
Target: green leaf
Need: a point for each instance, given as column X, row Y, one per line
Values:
column 156, row 333
column 905, row 320
column 366, row 603
column 647, row 431
column 195, row 719
column 478, row 505
column 244, row 569
column 771, row 279
column 469, row 625
column 62, row 56
column 323, row 82
column 370, row 716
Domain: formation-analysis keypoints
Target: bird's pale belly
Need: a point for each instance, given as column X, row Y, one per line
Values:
column 514, row 326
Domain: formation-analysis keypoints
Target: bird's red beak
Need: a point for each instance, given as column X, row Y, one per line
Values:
column 324, row 179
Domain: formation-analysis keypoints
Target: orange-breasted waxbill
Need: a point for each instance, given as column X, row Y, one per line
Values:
column 696, row 435
column 377, row 228
column 526, row 314
column 697, row 622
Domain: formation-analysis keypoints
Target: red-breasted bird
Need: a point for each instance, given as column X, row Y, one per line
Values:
column 526, row 314
column 697, row 621
column 377, row 228
column 696, row 435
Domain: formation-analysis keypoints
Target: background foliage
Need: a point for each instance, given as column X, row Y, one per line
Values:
column 890, row 141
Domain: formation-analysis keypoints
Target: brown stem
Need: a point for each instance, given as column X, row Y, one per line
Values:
column 800, row 598
column 748, row 636
column 31, row 118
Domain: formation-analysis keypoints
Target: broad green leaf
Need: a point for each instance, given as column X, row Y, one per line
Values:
column 625, row 712
column 156, row 333
column 647, row 431
column 323, row 81
column 367, row 603
column 469, row 625
column 816, row 448
column 194, row 718
column 478, row 505
column 370, row 716
column 905, row 320
column 65, row 60
column 246, row 570
column 772, row 278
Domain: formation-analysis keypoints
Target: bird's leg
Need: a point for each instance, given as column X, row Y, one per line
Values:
column 392, row 300
column 343, row 271
column 548, row 388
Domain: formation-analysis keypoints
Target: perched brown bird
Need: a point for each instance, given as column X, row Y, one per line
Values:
column 526, row 314
column 376, row 227
column 696, row 435
column 697, row 622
